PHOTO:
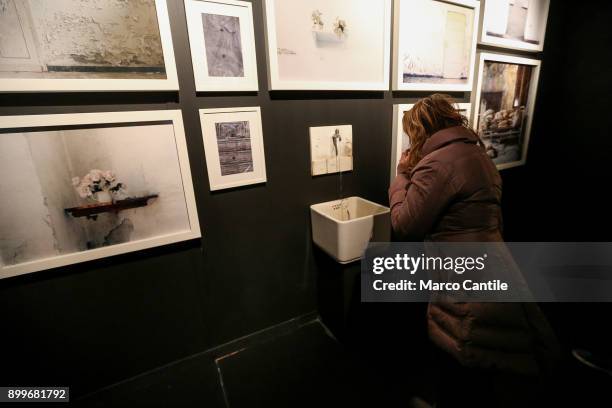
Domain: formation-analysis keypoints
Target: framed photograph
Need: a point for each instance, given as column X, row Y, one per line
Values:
column 400, row 142
column 435, row 45
column 234, row 147
column 86, row 45
column 331, row 149
column 503, row 101
column 82, row 187
column 318, row 44
column 514, row 24
column 222, row 41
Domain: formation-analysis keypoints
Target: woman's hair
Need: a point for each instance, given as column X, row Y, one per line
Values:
column 428, row 116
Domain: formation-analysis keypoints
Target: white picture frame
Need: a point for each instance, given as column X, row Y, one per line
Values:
column 364, row 11
column 248, row 165
column 494, row 19
column 400, row 142
column 329, row 156
column 526, row 123
column 106, row 119
column 170, row 83
column 402, row 37
column 243, row 75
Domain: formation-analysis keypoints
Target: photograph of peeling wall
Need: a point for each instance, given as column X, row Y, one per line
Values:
column 436, row 42
column 503, row 110
column 45, row 167
column 234, row 144
column 107, row 39
column 223, row 45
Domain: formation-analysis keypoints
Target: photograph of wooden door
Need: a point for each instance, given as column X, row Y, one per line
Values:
column 17, row 45
column 455, row 46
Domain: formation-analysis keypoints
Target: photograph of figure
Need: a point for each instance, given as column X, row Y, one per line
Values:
column 331, row 149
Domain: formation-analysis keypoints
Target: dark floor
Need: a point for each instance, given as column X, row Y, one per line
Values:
column 298, row 366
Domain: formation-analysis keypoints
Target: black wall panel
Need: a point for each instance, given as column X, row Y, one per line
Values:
column 97, row 323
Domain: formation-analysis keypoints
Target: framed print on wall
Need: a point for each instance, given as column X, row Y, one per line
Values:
column 222, row 41
column 504, row 101
column 331, row 149
column 434, row 45
column 234, row 148
column 514, row 24
column 86, row 45
column 328, row 44
column 400, row 142
column 83, row 188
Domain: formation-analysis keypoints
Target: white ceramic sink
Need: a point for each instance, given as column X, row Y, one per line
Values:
column 343, row 228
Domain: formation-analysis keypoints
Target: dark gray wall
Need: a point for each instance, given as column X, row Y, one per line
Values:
column 93, row 324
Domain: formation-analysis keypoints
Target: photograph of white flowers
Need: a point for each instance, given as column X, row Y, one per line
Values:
column 82, row 190
column 316, row 44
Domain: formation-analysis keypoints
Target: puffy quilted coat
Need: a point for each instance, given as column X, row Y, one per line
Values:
column 454, row 194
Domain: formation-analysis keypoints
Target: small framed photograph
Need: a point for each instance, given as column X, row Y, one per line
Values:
column 222, row 40
column 328, row 44
column 514, row 24
column 331, row 149
column 435, row 45
column 92, row 185
column 504, row 100
column 400, row 142
column 86, row 45
column 234, row 147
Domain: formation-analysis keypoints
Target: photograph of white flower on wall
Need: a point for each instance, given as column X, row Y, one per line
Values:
column 81, row 188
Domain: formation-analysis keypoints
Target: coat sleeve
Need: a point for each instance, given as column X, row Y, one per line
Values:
column 417, row 200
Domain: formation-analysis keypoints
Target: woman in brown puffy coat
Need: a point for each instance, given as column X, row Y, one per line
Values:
column 448, row 190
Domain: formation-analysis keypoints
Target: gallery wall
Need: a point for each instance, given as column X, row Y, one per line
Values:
column 93, row 324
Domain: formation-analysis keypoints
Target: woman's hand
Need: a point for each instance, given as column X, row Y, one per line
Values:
column 404, row 166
